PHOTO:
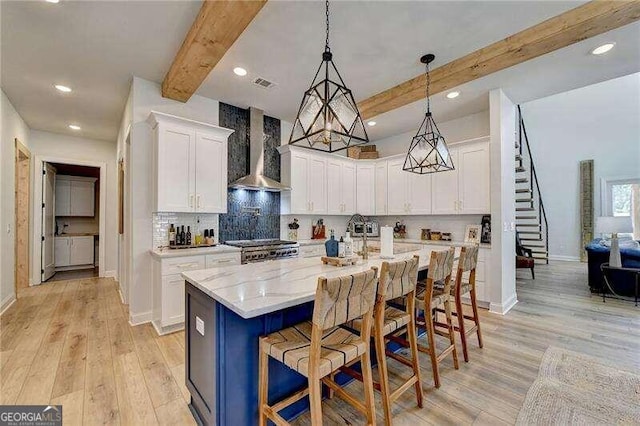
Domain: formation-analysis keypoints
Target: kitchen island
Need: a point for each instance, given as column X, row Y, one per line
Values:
column 228, row 308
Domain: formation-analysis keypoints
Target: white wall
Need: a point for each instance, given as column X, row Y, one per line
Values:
column 599, row 122
column 147, row 97
column 82, row 149
column 11, row 126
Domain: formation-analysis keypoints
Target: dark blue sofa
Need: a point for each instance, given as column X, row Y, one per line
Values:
column 622, row 283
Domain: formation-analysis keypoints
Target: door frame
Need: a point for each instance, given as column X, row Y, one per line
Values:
column 21, row 149
column 37, row 211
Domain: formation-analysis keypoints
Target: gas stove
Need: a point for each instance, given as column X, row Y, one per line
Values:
column 266, row 249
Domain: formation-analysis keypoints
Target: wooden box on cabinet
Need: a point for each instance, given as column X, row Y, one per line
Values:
column 190, row 165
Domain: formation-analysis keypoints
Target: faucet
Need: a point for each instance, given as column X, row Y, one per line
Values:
column 358, row 218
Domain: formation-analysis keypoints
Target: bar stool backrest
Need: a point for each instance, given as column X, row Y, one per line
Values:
column 398, row 279
column 468, row 258
column 342, row 299
column 441, row 264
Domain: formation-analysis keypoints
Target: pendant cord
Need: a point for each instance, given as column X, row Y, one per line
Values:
column 428, row 84
column 326, row 45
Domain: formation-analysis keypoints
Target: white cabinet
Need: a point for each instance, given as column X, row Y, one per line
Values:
column 306, row 174
column 218, row 260
column 381, row 181
column 341, row 187
column 75, row 196
column 74, row 251
column 407, row 193
column 465, row 190
column 366, row 189
column 190, row 165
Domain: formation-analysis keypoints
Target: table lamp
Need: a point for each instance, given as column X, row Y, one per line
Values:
column 614, row 225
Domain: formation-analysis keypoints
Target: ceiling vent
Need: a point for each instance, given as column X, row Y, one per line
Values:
column 265, row 84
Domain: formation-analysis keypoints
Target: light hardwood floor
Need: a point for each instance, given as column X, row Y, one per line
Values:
column 69, row 343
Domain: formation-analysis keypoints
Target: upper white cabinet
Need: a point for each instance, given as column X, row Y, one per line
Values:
column 407, row 193
column 341, row 186
column 306, row 174
column 381, row 181
column 190, row 165
column 366, row 188
column 75, row 196
column 465, row 190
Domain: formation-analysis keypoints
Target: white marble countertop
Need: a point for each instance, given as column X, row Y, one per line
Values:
column 167, row 252
column 259, row 288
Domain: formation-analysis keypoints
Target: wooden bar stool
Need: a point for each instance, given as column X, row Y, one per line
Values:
column 319, row 347
column 467, row 263
column 397, row 279
column 428, row 299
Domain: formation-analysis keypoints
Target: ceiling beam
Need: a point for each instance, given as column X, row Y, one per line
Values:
column 217, row 26
column 588, row 20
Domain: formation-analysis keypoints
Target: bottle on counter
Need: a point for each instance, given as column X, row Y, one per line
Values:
column 341, row 248
column 172, row 235
column 331, row 246
column 348, row 245
column 182, row 236
column 188, row 236
column 212, row 239
column 206, row 237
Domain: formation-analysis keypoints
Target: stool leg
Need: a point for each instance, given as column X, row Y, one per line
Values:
column 463, row 334
column 413, row 345
column 263, row 387
column 378, row 338
column 452, row 340
column 367, row 378
column 476, row 317
column 432, row 347
column 315, row 400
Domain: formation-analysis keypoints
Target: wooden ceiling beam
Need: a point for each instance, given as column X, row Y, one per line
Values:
column 217, row 26
column 575, row 25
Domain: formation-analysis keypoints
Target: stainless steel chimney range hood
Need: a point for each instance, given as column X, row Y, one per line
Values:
column 256, row 180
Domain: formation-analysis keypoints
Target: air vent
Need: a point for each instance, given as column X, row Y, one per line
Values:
column 265, row 84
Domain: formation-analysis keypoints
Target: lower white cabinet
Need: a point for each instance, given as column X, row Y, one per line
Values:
column 168, row 286
column 74, row 251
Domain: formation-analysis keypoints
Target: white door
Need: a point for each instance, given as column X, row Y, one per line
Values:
column 211, row 174
column 81, row 251
column 444, row 186
column 397, row 188
column 317, row 184
column 334, row 187
column 82, row 198
column 381, row 188
column 62, row 251
column 419, row 193
column 48, row 261
column 63, row 197
column 299, row 184
column 365, row 194
column 473, row 179
column 176, row 169
column 348, row 188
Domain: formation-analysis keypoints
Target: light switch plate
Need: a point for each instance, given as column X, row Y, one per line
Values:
column 199, row 325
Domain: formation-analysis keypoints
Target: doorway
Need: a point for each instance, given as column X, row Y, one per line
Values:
column 22, row 195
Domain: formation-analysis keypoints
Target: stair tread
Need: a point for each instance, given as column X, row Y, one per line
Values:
column 527, row 224
column 525, row 209
column 534, row 217
column 520, row 169
column 522, row 190
column 529, row 232
column 524, row 200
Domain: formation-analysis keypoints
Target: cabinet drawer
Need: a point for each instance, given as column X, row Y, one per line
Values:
column 216, row 260
column 172, row 299
column 181, row 264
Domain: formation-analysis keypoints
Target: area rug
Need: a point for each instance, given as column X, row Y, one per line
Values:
column 575, row 389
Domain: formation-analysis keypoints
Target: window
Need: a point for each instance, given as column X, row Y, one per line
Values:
column 621, row 197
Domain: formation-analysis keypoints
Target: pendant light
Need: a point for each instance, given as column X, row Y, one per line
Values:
column 328, row 119
column 428, row 152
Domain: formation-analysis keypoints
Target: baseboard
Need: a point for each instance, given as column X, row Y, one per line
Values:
column 503, row 308
column 7, row 302
column 109, row 274
column 143, row 318
column 564, row 258
column 167, row 330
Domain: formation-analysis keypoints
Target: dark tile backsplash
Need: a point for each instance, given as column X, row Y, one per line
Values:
column 236, row 224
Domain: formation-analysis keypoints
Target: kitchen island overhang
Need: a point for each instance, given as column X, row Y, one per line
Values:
column 228, row 308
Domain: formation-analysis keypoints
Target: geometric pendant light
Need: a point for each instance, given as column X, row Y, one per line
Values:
column 428, row 152
column 328, row 119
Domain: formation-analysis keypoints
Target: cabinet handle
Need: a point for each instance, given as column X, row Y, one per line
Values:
column 198, row 198
column 455, row 206
column 460, row 205
column 186, row 265
column 224, row 261
column 312, row 206
column 176, row 281
column 191, row 200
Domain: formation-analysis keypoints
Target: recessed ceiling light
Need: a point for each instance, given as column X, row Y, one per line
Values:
column 240, row 71
column 52, row 1
column 62, row 88
column 603, row 49
column 453, row 95
column 74, row 127
column 371, row 123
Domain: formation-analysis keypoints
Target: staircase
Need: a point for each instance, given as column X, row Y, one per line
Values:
column 531, row 218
